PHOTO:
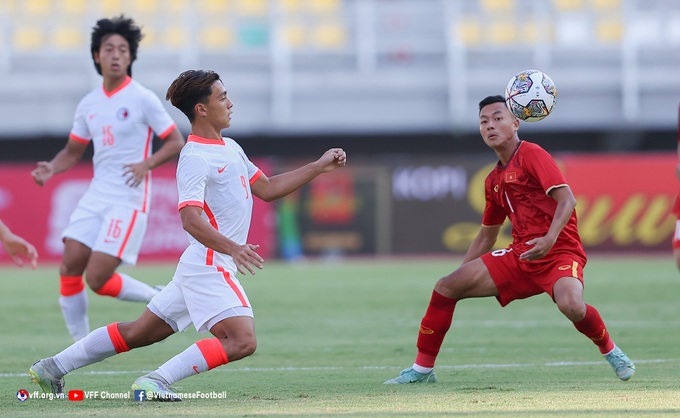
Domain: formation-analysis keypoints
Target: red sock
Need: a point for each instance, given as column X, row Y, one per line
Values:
column 213, row 352
column 117, row 339
column 433, row 328
column 71, row 285
column 112, row 286
column 592, row 326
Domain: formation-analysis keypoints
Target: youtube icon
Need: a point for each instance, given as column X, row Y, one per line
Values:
column 76, row 395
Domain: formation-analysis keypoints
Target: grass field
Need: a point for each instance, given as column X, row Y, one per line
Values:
column 329, row 334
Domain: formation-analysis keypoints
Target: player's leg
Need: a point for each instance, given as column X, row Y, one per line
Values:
column 234, row 340
column 79, row 238
column 103, row 279
column 568, row 295
column 73, row 299
column 216, row 302
column 472, row 279
column 98, row 345
column 119, row 241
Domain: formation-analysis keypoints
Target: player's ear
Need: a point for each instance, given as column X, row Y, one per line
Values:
column 200, row 109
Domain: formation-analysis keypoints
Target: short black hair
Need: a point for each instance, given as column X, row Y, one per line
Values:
column 491, row 99
column 121, row 25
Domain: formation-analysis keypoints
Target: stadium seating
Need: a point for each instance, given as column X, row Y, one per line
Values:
column 360, row 56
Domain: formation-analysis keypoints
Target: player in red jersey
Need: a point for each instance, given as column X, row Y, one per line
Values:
column 676, row 207
column 546, row 255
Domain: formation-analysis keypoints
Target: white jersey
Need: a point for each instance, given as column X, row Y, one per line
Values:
column 120, row 125
column 216, row 176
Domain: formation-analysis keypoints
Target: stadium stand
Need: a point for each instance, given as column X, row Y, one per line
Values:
column 294, row 66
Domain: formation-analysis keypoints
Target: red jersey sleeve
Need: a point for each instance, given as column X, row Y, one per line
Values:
column 493, row 213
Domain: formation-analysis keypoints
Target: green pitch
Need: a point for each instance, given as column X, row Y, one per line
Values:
column 329, row 334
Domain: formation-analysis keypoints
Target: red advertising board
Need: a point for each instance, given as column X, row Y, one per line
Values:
column 624, row 200
column 39, row 214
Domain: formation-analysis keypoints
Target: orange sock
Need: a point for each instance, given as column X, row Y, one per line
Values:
column 119, row 343
column 213, row 352
column 71, row 285
column 112, row 286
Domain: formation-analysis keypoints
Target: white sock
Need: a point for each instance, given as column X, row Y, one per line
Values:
column 135, row 291
column 74, row 310
column 187, row 363
column 95, row 347
column 421, row 369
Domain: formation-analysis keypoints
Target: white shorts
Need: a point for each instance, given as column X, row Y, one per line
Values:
column 202, row 295
column 113, row 230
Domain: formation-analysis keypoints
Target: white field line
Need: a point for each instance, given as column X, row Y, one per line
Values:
column 304, row 369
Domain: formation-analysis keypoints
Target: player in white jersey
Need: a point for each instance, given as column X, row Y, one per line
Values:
column 106, row 229
column 216, row 183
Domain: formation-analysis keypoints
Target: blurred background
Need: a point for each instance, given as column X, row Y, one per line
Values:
column 394, row 82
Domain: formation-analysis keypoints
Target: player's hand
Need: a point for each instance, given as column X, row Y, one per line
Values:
column 247, row 258
column 19, row 249
column 42, row 173
column 541, row 247
column 332, row 159
column 135, row 173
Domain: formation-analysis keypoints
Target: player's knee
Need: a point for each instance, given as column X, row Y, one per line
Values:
column 574, row 310
column 248, row 347
column 446, row 286
column 71, row 269
column 94, row 281
column 242, row 347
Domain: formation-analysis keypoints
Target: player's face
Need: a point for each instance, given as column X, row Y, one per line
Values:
column 113, row 56
column 219, row 106
column 497, row 125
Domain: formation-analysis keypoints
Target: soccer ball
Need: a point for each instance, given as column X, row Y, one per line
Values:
column 531, row 95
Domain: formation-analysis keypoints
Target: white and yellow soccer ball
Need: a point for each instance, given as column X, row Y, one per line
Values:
column 531, row 95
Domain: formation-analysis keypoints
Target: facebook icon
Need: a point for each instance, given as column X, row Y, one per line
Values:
column 140, row 395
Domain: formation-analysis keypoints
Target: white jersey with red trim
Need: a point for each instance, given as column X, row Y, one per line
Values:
column 216, row 176
column 120, row 125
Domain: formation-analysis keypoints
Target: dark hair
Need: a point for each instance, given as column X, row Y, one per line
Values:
column 491, row 99
column 189, row 88
column 122, row 26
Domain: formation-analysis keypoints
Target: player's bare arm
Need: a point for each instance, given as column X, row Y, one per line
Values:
column 65, row 159
column 566, row 202
column 483, row 242
column 272, row 188
column 245, row 256
column 172, row 145
column 17, row 248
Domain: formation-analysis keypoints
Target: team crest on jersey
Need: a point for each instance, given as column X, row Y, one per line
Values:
column 123, row 113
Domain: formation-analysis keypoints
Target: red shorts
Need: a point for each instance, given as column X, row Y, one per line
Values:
column 518, row 279
column 676, row 212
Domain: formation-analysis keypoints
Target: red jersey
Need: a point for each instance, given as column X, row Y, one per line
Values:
column 519, row 191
